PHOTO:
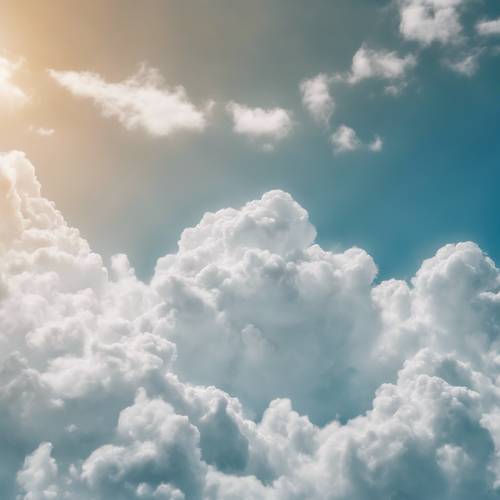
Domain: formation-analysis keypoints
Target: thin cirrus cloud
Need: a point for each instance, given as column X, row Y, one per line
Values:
column 139, row 102
column 346, row 140
column 317, row 99
column 264, row 126
column 11, row 95
column 254, row 365
column 428, row 21
column 488, row 27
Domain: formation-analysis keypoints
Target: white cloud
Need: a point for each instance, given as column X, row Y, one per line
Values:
column 346, row 140
column 267, row 125
column 316, row 98
column 343, row 388
column 42, row 131
column 467, row 65
column 488, row 27
column 382, row 64
column 427, row 21
column 140, row 102
column 377, row 144
column 38, row 477
column 11, row 95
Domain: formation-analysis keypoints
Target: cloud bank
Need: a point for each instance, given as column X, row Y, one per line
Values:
column 382, row 64
column 254, row 365
column 140, row 102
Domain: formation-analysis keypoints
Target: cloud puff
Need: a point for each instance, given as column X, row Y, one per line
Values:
column 11, row 95
column 427, row 21
column 346, row 140
column 254, row 365
column 140, row 102
column 316, row 98
column 268, row 125
column 42, row 131
column 382, row 64
column 488, row 27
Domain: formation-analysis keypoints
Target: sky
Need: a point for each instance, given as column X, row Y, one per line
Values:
column 437, row 164
column 248, row 250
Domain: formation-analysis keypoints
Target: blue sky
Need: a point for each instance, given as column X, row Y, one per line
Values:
column 433, row 182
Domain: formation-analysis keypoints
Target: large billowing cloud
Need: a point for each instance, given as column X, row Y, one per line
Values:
column 142, row 101
column 254, row 365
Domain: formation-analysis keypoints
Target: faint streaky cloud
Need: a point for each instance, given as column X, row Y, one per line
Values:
column 139, row 102
column 488, row 28
column 345, row 140
column 381, row 64
column 466, row 65
column 259, row 124
column 11, row 96
column 42, row 131
column 427, row 21
column 316, row 98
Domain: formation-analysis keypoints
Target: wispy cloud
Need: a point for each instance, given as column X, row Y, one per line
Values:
column 316, row 98
column 467, row 64
column 267, row 125
column 11, row 95
column 140, row 102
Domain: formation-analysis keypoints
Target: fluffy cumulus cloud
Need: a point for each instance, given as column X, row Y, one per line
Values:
column 428, row 21
column 254, row 365
column 316, row 98
column 140, row 102
column 11, row 95
column 346, row 140
column 266, row 126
